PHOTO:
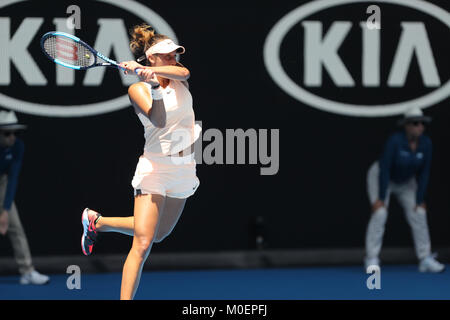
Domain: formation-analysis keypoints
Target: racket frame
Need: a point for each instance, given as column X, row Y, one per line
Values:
column 109, row 62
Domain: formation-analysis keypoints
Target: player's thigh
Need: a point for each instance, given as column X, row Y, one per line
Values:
column 173, row 208
column 147, row 210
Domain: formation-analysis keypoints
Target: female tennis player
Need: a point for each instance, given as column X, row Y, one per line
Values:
column 165, row 175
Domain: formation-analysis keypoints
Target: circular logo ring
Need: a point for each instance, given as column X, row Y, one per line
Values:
column 140, row 11
column 273, row 64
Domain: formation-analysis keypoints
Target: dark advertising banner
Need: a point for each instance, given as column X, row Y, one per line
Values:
column 295, row 98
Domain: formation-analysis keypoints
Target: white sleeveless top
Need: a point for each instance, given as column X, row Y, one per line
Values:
column 180, row 130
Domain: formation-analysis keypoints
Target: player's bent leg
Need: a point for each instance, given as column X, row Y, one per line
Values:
column 173, row 208
column 123, row 225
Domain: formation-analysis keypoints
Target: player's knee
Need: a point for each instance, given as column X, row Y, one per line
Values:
column 142, row 245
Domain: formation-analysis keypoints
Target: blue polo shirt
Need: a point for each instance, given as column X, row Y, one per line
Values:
column 399, row 163
column 10, row 164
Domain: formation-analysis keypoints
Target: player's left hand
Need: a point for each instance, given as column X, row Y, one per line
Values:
column 130, row 66
column 149, row 76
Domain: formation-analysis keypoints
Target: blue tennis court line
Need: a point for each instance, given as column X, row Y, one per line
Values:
column 398, row 282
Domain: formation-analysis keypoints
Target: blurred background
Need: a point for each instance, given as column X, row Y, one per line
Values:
column 312, row 210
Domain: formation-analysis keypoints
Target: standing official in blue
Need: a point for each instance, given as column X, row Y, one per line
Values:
column 402, row 170
column 11, row 154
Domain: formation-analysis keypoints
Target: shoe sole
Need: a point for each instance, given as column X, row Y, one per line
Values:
column 85, row 223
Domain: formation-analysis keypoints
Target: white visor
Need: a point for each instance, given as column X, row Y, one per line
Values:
column 165, row 46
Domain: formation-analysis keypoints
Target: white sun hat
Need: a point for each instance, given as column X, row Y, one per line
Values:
column 8, row 121
column 164, row 46
column 414, row 114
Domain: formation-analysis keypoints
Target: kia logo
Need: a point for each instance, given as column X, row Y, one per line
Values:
column 111, row 37
column 321, row 55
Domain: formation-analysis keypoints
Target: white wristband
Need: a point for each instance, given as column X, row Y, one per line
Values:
column 157, row 94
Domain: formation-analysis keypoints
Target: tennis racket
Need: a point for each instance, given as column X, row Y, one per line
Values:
column 70, row 51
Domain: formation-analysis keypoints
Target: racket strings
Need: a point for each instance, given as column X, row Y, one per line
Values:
column 68, row 51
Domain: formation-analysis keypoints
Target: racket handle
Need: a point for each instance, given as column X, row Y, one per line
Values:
column 135, row 70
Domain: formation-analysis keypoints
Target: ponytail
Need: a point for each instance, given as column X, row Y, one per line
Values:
column 142, row 38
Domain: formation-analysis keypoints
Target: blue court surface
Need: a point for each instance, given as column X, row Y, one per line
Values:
column 398, row 282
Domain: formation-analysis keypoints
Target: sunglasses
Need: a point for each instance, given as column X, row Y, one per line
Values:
column 8, row 133
column 417, row 123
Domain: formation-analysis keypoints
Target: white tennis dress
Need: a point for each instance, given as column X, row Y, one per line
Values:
column 160, row 170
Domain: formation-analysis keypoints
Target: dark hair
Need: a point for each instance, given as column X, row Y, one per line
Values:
column 143, row 37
